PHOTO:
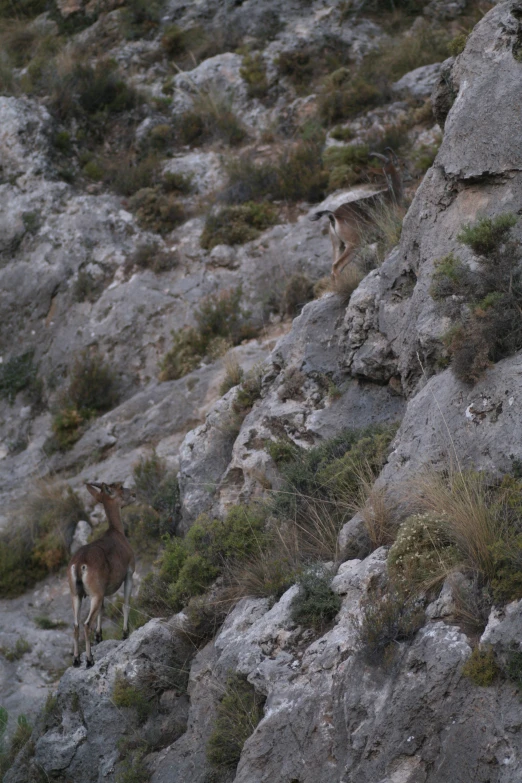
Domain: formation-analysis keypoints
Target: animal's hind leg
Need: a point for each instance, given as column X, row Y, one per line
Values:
column 127, row 590
column 341, row 262
column 98, row 636
column 77, row 605
column 96, row 602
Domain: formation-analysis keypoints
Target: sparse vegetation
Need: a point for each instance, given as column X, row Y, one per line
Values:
column 46, row 624
column 238, row 713
column 210, row 119
column 20, row 738
column 298, row 290
column 346, row 282
column 236, row 225
column 150, row 256
column 15, row 653
column 233, row 375
column 481, row 667
column 220, row 317
column 484, row 303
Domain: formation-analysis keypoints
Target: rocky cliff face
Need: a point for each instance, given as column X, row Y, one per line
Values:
column 328, row 713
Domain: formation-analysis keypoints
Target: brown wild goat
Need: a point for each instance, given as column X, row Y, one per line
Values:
column 99, row 568
column 348, row 219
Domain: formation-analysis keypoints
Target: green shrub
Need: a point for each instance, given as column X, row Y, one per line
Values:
column 484, row 303
column 188, row 566
column 248, row 392
column 24, row 9
column 17, row 652
column 421, row 555
column 16, row 375
column 219, row 318
column 149, row 256
column 238, row 713
column 316, row 605
column 282, row 450
column 94, row 171
column 253, row 71
column 127, row 176
column 513, row 666
column 386, row 618
column 304, row 66
column 157, row 211
column 481, row 667
column 344, row 95
column 233, row 375
column 174, row 182
column 236, row 225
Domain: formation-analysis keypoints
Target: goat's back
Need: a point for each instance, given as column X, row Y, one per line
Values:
column 102, row 565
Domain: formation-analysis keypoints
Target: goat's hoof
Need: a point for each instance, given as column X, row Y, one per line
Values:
column 89, row 662
column 98, row 637
column 125, row 635
column 76, row 661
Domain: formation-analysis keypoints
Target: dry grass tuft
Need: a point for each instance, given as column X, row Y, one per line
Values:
column 346, row 282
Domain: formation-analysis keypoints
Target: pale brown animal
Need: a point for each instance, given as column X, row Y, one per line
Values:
column 98, row 569
column 348, row 220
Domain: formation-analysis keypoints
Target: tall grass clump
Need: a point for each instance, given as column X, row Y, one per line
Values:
column 21, row 736
column 485, row 302
column 210, row 119
column 479, row 524
column 235, row 225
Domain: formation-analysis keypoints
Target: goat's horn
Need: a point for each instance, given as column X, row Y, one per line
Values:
column 378, row 155
column 94, row 484
column 392, row 154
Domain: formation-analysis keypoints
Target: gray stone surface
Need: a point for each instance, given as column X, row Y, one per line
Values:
column 420, row 82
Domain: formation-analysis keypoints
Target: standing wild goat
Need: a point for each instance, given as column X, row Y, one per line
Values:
column 99, row 568
column 348, row 219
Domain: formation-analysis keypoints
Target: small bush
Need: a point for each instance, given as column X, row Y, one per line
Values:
column 253, row 71
column 484, row 303
column 128, row 176
column 93, row 170
column 149, row 256
column 301, row 174
column 305, row 65
column 513, row 667
column 292, row 386
column 16, row 375
column 157, row 211
column 236, row 225
column 238, row 713
column 248, row 392
column 387, row 618
column 316, row 605
column 128, row 696
column 421, row 556
column 344, row 96
column 220, row 317
column 141, row 18
column 92, row 390
column 481, row 667
column 282, row 450
column 159, row 490
column 17, row 652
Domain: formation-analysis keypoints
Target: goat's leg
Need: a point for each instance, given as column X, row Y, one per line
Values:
column 342, row 261
column 96, row 602
column 127, row 590
column 98, row 636
column 77, row 605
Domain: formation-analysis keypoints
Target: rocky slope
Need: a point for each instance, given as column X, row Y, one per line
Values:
column 328, row 713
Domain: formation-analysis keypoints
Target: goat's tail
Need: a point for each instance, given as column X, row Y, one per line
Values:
column 319, row 215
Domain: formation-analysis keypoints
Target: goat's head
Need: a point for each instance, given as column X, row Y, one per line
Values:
column 112, row 493
column 387, row 158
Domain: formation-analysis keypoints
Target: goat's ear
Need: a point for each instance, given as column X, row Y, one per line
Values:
column 107, row 490
column 94, row 490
